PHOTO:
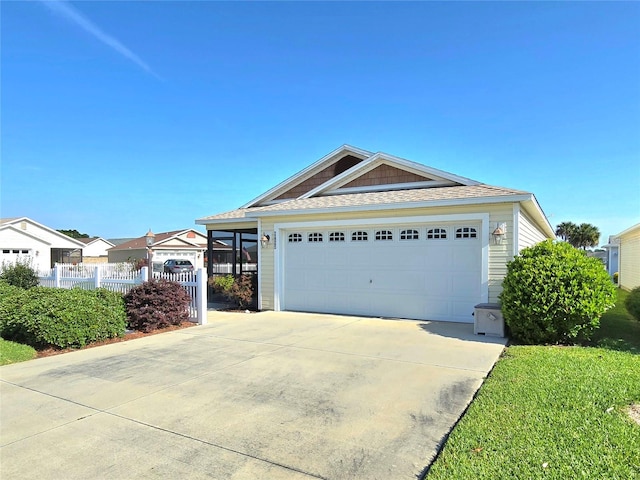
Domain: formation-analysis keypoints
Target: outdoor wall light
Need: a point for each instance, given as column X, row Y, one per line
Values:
column 264, row 241
column 499, row 233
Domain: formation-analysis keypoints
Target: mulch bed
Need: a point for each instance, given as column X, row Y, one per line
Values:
column 48, row 352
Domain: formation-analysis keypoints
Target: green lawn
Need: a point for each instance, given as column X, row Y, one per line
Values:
column 618, row 329
column 554, row 412
column 12, row 352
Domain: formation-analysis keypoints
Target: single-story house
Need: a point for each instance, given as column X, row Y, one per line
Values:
column 24, row 238
column 366, row 233
column 629, row 258
column 95, row 250
column 187, row 244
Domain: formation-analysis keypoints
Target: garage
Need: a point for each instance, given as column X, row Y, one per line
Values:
column 427, row 271
column 372, row 234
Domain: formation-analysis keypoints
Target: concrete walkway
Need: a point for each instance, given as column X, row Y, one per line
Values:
column 248, row 396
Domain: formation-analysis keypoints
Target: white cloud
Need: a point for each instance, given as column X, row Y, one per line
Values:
column 69, row 12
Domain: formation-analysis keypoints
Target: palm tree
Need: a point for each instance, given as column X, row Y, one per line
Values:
column 566, row 230
column 585, row 235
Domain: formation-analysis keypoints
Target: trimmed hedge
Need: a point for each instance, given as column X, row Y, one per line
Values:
column 554, row 293
column 157, row 304
column 54, row 317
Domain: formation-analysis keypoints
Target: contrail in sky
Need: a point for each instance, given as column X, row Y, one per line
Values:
column 68, row 11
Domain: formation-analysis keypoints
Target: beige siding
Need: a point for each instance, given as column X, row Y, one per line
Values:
column 267, row 274
column 118, row 256
column 629, row 259
column 498, row 254
column 528, row 233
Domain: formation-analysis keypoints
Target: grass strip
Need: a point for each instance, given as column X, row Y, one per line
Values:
column 12, row 352
column 554, row 412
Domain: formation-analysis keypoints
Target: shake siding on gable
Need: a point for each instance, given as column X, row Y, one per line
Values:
column 498, row 254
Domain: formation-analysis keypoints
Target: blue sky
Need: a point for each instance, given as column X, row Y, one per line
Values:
column 122, row 116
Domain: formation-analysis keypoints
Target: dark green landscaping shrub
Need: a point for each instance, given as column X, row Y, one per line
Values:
column 157, row 304
column 554, row 293
column 632, row 303
column 11, row 300
column 20, row 274
column 238, row 290
column 43, row 317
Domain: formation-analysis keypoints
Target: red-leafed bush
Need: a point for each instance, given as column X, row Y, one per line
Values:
column 156, row 304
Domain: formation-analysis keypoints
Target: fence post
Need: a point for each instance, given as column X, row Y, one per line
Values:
column 56, row 275
column 144, row 274
column 201, row 296
column 97, row 277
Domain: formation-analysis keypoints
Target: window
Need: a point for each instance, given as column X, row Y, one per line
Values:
column 384, row 235
column 315, row 237
column 6, row 251
column 436, row 233
column 295, row 237
column 466, row 232
column 336, row 237
column 409, row 235
column 359, row 236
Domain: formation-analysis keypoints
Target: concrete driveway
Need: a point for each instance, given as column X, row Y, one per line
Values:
column 248, row 396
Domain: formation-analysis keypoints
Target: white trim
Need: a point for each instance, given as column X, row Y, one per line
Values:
column 279, row 228
column 379, row 159
column 309, row 171
column 392, row 206
column 259, row 260
column 625, row 232
column 24, row 232
column 516, row 230
column 538, row 216
column 17, row 221
column 389, row 187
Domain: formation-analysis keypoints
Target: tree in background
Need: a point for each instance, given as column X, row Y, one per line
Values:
column 565, row 230
column 74, row 233
column 580, row 236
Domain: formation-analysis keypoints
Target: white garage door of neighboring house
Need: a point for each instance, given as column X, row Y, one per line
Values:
column 12, row 255
column 419, row 271
column 161, row 256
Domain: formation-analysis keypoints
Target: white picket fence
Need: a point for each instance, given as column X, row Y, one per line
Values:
column 120, row 277
column 228, row 267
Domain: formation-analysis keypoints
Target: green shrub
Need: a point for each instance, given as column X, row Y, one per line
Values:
column 157, row 304
column 11, row 301
column 55, row 317
column 554, row 293
column 632, row 303
column 20, row 274
column 222, row 283
column 239, row 290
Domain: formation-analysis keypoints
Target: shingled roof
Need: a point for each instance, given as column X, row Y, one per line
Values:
column 482, row 193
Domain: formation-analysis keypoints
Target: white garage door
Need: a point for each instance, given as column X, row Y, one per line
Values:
column 420, row 271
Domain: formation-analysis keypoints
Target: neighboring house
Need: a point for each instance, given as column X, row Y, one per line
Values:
column 612, row 249
column 629, row 258
column 95, row 250
column 367, row 233
column 23, row 238
column 180, row 244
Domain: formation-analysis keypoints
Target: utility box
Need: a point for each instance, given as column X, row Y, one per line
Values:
column 488, row 320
